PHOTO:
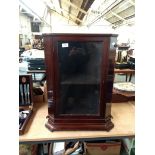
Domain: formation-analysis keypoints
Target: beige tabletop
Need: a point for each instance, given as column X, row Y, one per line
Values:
column 123, row 119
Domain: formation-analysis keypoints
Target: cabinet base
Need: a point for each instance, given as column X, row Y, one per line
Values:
column 79, row 126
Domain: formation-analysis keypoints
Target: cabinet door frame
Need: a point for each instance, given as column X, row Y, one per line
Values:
column 104, row 67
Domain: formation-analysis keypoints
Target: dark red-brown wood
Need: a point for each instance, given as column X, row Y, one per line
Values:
column 100, row 121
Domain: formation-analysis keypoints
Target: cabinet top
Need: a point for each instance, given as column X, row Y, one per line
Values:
column 80, row 34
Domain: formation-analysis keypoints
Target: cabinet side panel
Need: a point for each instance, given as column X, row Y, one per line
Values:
column 103, row 84
column 110, row 74
column 48, row 47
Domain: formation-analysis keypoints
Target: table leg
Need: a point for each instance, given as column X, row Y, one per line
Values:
column 130, row 77
column 126, row 77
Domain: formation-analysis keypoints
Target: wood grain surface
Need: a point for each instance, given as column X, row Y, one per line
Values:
column 123, row 119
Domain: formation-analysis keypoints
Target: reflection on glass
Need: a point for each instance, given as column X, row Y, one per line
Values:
column 79, row 65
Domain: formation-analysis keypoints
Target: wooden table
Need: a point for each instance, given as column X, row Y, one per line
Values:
column 123, row 119
column 120, row 96
column 125, row 71
column 34, row 72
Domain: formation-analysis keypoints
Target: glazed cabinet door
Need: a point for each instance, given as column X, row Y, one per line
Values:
column 79, row 66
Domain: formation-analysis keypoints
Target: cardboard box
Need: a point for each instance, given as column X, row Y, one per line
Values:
column 29, row 149
column 105, row 148
column 38, row 98
column 28, row 47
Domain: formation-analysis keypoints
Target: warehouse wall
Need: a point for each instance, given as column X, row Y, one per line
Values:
column 126, row 34
column 24, row 28
column 24, row 24
column 60, row 24
column 45, row 27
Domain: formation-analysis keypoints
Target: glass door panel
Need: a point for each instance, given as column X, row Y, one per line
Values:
column 80, row 66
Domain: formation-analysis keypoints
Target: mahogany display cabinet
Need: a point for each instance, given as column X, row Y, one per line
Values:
column 80, row 74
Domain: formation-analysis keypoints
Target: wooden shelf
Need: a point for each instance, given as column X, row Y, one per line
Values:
column 81, row 79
